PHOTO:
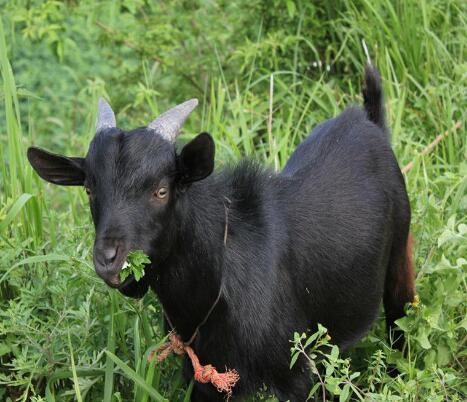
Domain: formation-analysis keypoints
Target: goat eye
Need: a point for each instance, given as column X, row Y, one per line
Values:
column 162, row 192
column 88, row 190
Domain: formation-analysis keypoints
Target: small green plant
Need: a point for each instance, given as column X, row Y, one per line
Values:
column 333, row 373
column 134, row 264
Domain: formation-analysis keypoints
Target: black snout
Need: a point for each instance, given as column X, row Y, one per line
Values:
column 108, row 260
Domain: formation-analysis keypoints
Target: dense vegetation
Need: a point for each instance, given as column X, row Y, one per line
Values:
column 266, row 72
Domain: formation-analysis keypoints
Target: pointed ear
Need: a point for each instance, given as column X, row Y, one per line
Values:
column 57, row 169
column 196, row 160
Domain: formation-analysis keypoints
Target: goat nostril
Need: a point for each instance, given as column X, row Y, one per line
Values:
column 110, row 253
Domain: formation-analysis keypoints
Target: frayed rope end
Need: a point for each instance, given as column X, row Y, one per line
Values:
column 224, row 382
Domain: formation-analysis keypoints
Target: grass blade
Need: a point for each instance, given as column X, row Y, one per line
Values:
column 14, row 210
column 132, row 375
column 109, row 364
column 73, row 368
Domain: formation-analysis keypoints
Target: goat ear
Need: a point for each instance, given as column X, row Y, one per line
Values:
column 196, row 161
column 57, row 169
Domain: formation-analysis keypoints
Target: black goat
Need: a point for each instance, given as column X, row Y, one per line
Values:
column 323, row 241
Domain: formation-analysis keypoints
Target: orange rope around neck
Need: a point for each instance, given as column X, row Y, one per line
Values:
column 224, row 382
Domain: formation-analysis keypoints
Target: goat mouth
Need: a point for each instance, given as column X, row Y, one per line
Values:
column 116, row 283
column 112, row 277
column 113, row 280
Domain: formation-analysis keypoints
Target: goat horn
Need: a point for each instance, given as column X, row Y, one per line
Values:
column 169, row 123
column 105, row 116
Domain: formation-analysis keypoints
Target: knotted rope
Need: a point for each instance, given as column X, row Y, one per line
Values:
column 224, row 382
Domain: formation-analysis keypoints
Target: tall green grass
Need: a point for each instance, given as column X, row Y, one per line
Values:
column 17, row 180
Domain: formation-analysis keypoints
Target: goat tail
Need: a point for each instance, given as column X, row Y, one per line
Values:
column 373, row 99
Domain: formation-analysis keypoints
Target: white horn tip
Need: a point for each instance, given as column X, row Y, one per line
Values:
column 192, row 102
column 187, row 106
column 103, row 104
column 105, row 115
column 168, row 124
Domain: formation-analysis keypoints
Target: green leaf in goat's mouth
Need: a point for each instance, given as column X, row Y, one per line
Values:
column 134, row 264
